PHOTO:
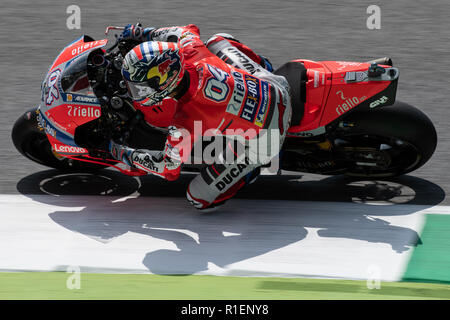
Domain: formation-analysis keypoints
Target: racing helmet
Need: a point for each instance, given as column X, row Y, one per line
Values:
column 152, row 71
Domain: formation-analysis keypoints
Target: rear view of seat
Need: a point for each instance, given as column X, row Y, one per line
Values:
column 295, row 74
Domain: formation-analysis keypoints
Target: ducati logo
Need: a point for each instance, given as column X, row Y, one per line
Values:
column 145, row 162
column 230, row 176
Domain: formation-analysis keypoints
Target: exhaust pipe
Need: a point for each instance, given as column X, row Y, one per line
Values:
column 385, row 61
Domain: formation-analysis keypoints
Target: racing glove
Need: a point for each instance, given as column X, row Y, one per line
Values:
column 136, row 32
column 165, row 164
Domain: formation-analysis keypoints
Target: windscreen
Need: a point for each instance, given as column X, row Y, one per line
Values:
column 74, row 78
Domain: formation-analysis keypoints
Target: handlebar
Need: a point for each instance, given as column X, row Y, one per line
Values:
column 113, row 28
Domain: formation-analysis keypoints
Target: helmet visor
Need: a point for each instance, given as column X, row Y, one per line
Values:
column 140, row 90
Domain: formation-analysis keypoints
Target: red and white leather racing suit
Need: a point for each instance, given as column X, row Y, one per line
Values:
column 236, row 99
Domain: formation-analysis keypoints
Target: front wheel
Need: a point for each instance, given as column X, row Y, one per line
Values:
column 385, row 141
column 31, row 141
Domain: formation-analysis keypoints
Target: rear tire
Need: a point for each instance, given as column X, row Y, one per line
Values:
column 31, row 141
column 407, row 132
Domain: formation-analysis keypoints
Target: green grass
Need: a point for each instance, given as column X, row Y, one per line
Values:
column 430, row 260
column 52, row 285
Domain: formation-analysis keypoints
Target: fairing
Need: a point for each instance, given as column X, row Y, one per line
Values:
column 335, row 88
column 68, row 100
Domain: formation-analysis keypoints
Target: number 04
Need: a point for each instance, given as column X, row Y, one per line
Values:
column 216, row 88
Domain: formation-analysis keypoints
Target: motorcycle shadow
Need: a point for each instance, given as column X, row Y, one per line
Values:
column 399, row 190
column 254, row 223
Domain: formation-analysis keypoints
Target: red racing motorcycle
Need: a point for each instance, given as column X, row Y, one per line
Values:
column 345, row 117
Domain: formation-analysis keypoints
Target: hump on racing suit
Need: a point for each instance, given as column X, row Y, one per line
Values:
column 259, row 59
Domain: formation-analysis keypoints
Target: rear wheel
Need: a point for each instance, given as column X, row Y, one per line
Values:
column 388, row 141
column 31, row 141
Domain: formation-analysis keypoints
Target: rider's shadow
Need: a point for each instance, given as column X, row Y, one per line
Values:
column 193, row 242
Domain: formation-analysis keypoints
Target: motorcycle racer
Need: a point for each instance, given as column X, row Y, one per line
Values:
column 216, row 85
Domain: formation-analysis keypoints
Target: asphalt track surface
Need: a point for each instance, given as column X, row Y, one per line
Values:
column 414, row 34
